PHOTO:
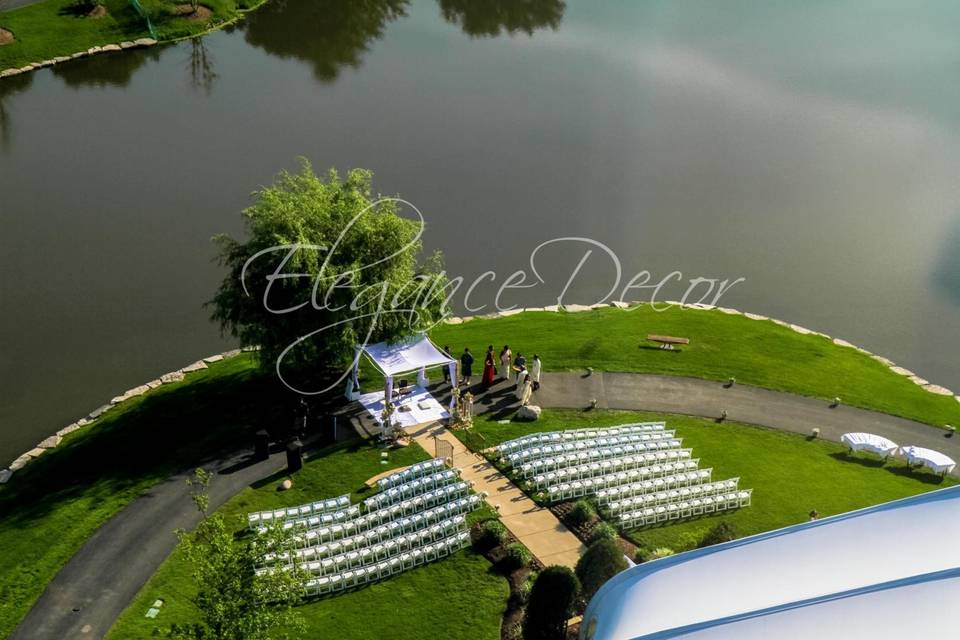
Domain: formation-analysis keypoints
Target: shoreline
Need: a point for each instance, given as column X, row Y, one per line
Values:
column 124, row 45
column 52, row 441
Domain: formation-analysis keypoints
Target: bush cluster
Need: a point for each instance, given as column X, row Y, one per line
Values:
column 552, row 601
column 603, row 531
column 582, row 512
column 603, row 560
column 723, row 532
column 517, row 557
column 491, row 534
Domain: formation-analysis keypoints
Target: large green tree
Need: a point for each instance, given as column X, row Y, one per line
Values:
column 327, row 264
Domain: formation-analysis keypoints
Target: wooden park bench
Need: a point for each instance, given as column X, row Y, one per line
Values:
column 667, row 342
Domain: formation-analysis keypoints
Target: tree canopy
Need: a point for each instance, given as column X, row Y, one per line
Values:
column 551, row 604
column 327, row 265
column 603, row 560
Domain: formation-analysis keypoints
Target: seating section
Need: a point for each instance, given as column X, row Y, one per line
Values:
column 419, row 515
column 322, row 507
column 637, row 473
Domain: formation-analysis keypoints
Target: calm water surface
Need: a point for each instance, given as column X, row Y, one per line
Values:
column 812, row 148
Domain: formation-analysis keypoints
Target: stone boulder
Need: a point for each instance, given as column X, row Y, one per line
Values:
column 214, row 358
column 196, row 366
column 99, row 411
column 173, row 376
column 529, row 413
column 50, row 443
column 5, row 476
column 70, row 428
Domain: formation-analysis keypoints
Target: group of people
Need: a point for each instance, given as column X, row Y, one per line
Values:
column 504, row 367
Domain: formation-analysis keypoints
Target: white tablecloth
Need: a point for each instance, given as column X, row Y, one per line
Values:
column 929, row 458
column 869, row 442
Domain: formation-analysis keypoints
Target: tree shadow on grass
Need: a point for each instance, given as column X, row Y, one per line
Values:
column 144, row 441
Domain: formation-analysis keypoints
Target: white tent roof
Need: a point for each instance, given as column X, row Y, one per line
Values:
column 411, row 354
column 876, row 573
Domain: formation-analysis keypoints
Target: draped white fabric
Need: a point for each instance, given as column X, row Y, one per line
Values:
column 412, row 354
column 928, row 458
column 859, row 441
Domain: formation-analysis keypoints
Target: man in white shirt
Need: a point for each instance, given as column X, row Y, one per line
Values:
column 535, row 371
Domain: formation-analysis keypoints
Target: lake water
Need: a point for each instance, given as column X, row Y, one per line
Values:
column 812, row 148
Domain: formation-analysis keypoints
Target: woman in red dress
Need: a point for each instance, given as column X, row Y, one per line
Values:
column 489, row 369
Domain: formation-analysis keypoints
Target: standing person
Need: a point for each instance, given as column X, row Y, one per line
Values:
column 446, row 369
column 489, row 368
column 505, row 356
column 535, row 371
column 522, row 379
column 466, row 366
column 519, row 363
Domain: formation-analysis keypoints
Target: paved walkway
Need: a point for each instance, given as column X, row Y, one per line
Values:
column 752, row 405
column 105, row 575
column 537, row 528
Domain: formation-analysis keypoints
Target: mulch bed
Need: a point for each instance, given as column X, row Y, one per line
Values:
column 186, row 11
column 6, row 37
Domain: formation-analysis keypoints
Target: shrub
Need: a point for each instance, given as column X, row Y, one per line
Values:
column 517, row 556
column 551, row 604
column 723, row 532
column 603, row 531
column 491, row 534
column 659, row 552
column 582, row 512
column 602, row 561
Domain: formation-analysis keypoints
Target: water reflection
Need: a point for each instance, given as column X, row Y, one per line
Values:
column 489, row 18
column 202, row 75
column 112, row 70
column 329, row 34
column 9, row 87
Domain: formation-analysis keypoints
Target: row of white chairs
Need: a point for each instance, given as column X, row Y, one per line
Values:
column 409, row 489
column 592, row 486
column 685, row 509
column 322, row 520
column 549, row 437
column 411, row 473
column 384, row 516
column 535, row 453
column 387, row 568
column 366, row 556
column 317, row 549
column 675, row 481
column 320, row 507
column 667, row 496
column 554, row 463
column 613, row 465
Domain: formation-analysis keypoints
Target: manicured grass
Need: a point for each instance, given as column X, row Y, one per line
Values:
column 459, row 597
column 53, row 505
column 49, row 29
column 755, row 352
column 789, row 474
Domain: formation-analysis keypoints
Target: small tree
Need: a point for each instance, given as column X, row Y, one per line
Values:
column 723, row 532
column 602, row 561
column 235, row 600
column 551, row 604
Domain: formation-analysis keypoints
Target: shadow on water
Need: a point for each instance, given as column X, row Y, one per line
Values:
column 490, row 18
column 329, row 34
column 109, row 70
column 332, row 35
column 8, row 88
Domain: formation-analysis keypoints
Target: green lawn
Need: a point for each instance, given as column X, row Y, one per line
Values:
column 789, row 474
column 458, row 598
column 759, row 353
column 55, row 503
column 51, row 507
column 49, row 29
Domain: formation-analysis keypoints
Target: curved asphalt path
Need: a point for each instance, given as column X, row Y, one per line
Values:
column 94, row 587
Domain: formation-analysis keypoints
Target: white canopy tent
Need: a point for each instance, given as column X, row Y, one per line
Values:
column 928, row 458
column 869, row 442
column 869, row 574
column 415, row 354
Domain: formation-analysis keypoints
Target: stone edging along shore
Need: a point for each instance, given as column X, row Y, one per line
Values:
column 53, row 441
column 129, row 44
column 178, row 375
